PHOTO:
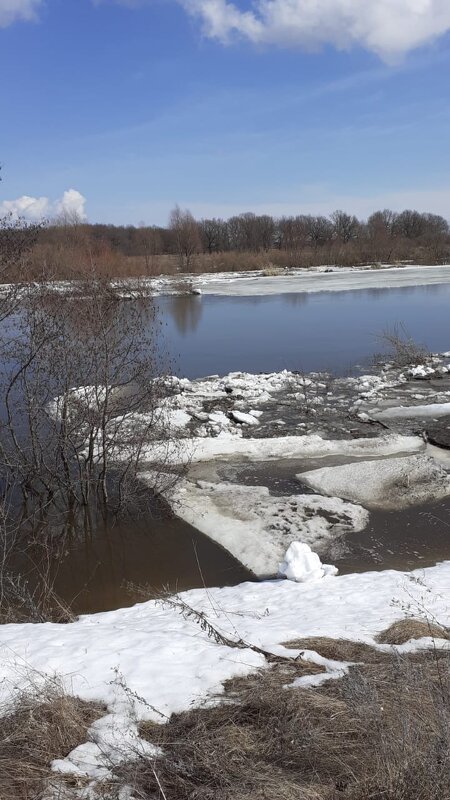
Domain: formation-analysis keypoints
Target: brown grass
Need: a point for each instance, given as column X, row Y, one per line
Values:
column 382, row 732
column 340, row 649
column 42, row 726
column 406, row 629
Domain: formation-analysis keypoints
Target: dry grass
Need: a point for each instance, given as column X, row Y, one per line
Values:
column 340, row 649
column 44, row 725
column 382, row 732
column 406, row 629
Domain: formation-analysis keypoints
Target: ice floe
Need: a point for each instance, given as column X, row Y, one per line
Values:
column 257, row 527
column 391, row 483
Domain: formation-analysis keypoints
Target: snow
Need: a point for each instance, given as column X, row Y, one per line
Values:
column 177, row 418
column 432, row 410
column 113, row 739
column 302, row 565
column 391, row 483
column 227, row 445
column 339, row 280
column 149, row 661
column 171, row 663
column 423, row 372
column 315, row 279
column 256, row 527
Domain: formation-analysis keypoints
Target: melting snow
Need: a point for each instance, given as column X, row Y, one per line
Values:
column 391, row 483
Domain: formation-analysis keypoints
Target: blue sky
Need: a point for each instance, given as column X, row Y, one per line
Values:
column 138, row 106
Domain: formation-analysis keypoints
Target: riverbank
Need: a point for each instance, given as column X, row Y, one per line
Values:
column 257, row 283
column 161, row 658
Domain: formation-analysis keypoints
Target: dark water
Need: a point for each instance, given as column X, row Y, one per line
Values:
column 409, row 539
column 309, row 332
column 160, row 554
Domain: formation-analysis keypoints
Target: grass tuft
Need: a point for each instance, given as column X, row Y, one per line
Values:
column 44, row 725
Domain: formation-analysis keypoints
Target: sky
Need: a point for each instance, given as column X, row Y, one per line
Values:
column 119, row 109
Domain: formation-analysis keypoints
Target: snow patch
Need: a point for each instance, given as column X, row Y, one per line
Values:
column 244, row 419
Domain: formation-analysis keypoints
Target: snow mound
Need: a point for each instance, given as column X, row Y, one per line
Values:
column 302, row 565
column 392, row 483
column 257, row 527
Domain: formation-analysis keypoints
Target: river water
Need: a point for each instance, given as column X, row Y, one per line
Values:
column 336, row 331
column 330, row 331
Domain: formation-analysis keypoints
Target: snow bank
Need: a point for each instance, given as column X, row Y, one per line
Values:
column 256, row 527
column 171, row 663
column 149, row 661
column 392, row 483
column 302, row 565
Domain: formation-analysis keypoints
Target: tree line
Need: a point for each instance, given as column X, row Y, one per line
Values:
column 68, row 246
column 246, row 240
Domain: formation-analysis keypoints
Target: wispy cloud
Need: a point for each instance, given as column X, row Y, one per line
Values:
column 389, row 28
column 36, row 208
column 13, row 10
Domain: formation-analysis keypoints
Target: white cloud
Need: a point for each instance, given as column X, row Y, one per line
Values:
column 389, row 28
column 12, row 10
column 71, row 203
column 33, row 209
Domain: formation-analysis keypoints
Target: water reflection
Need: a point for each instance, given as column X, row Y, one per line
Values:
column 335, row 330
column 97, row 567
column 186, row 312
column 299, row 299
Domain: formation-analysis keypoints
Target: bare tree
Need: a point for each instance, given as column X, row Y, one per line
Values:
column 214, row 235
column 17, row 239
column 346, row 227
column 186, row 237
column 320, row 230
column 150, row 245
column 410, row 224
column 84, row 391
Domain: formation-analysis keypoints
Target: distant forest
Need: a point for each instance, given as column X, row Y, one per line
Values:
column 243, row 242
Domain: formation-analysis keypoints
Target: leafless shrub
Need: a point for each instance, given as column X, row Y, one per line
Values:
column 272, row 271
column 83, row 386
column 400, row 348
